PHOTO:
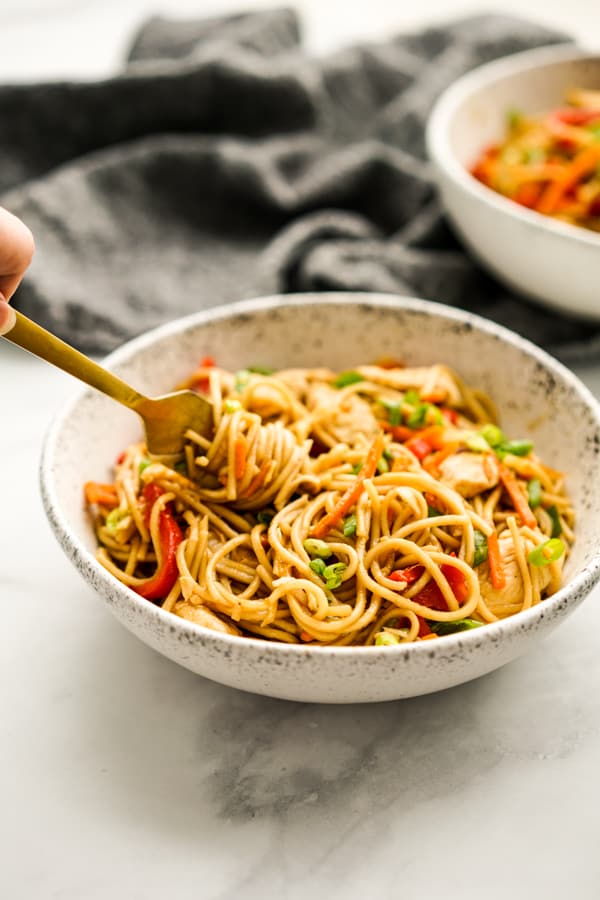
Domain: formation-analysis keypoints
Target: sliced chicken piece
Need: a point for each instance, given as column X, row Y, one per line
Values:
column 438, row 382
column 203, row 616
column 342, row 418
column 513, row 592
column 470, row 473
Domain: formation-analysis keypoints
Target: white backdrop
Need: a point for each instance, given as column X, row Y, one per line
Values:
column 88, row 38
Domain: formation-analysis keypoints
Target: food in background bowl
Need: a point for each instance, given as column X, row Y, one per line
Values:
column 378, row 505
column 540, row 256
column 550, row 162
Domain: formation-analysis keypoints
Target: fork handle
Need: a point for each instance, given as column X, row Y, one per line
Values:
column 42, row 343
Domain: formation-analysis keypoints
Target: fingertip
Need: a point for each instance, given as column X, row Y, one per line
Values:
column 17, row 247
column 8, row 316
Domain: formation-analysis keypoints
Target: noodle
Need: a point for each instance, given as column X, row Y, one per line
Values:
column 348, row 509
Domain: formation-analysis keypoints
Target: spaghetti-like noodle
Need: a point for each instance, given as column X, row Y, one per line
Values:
column 376, row 506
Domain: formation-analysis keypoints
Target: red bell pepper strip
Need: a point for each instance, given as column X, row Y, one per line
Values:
column 457, row 582
column 451, row 415
column 576, row 115
column 158, row 585
column 201, row 385
column 424, row 629
column 408, row 575
column 431, row 595
column 419, row 447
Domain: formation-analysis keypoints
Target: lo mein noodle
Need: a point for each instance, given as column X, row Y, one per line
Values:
column 380, row 505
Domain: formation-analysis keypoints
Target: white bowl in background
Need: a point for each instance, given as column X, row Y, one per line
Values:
column 536, row 396
column 550, row 261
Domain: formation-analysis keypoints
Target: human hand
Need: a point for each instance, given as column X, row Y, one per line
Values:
column 16, row 250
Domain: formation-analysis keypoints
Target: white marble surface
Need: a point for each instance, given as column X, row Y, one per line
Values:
column 124, row 776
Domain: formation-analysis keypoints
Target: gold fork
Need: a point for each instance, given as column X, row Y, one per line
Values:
column 165, row 418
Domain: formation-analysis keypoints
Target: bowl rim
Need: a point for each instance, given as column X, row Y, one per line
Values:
column 104, row 582
column 442, row 155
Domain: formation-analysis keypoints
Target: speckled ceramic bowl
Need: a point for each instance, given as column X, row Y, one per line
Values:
column 536, row 396
column 555, row 263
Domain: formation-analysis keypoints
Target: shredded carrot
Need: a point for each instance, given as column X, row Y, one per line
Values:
column 434, row 397
column 428, row 637
column 400, row 433
column 583, row 164
column 258, row 480
column 497, row 576
column 305, row 636
column 517, row 496
column 240, row 448
column 528, row 194
column 349, row 498
column 433, row 434
column 433, row 461
column 104, row 494
column 388, row 362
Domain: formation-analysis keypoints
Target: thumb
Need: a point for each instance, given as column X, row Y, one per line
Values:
column 7, row 316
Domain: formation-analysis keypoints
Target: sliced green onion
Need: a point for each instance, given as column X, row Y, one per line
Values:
column 242, row 377
column 534, row 493
column 595, row 129
column 383, row 466
column 443, row 628
column 516, row 448
column 264, row 516
column 346, row 378
column 261, row 370
column 144, row 463
column 546, row 553
column 333, row 575
column 231, row 405
column 476, row 442
column 315, row 547
column 432, row 511
column 416, row 419
column 556, row 526
column 514, row 118
column 115, row 517
column 481, row 548
column 393, row 409
column 356, row 468
column 434, row 415
column 350, row 526
column 388, row 454
column 424, row 413
column 534, row 155
column 413, row 398
column 181, row 467
column 317, row 566
column 492, row 434
column 386, row 639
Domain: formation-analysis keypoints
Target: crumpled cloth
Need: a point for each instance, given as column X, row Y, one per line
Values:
column 223, row 162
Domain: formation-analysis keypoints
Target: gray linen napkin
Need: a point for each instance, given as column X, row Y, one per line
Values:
column 224, row 163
